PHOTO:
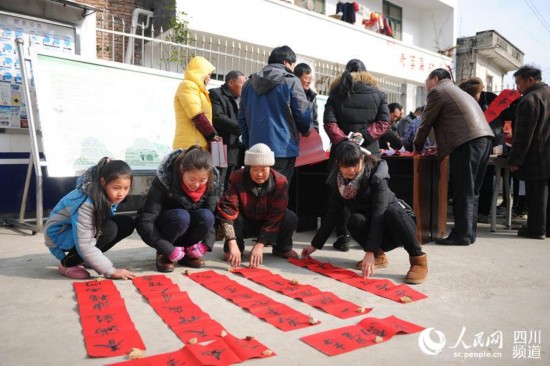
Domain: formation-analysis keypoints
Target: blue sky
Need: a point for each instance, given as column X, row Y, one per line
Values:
column 517, row 21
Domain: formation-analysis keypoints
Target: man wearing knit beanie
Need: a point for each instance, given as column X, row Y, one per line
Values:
column 254, row 205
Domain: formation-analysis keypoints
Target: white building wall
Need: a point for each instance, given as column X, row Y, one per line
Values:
column 485, row 68
column 275, row 23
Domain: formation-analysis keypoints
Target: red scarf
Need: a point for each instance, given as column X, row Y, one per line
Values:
column 194, row 195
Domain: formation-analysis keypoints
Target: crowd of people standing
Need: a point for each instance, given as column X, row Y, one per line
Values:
column 261, row 118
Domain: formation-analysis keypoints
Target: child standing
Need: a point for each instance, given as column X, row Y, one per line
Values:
column 255, row 205
column 82, row 226
column 177, row 218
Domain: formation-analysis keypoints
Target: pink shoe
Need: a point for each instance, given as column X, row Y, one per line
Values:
column 76, row 272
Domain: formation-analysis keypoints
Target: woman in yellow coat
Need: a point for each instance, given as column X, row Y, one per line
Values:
column 193, row 108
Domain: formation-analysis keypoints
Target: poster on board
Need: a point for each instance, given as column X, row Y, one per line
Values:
column 90, row 109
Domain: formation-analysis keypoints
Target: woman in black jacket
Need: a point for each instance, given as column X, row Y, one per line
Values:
column 355, row 105
column 177, row 218
column 379, row 221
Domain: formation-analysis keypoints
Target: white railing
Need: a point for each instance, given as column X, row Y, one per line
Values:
column 167, row 50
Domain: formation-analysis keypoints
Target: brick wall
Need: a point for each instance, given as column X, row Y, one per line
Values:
column 119, row 9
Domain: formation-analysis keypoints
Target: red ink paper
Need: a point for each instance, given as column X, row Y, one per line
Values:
column 223, row 351
column 106, row 325
column 501, row 102
column 326, row 301
column 188, row 321
column 263, row 307
column 176, row 309
column 381, row 287
column 364, row 334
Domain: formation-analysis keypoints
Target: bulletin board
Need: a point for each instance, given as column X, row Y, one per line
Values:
column 89, row 109
column 37, row 35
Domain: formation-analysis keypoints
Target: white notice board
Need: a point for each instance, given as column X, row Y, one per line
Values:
column 91, row 108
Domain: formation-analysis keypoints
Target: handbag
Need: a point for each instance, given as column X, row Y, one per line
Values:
column 219, row 154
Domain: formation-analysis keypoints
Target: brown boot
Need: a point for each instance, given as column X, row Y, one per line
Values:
column 164, row 264
column 419, row 270
column 380, row 260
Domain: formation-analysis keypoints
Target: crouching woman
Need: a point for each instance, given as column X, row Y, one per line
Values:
column 379, row 221
column 254, row 205
column 177, row 218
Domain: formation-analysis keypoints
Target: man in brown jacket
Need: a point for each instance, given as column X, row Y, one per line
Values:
column 463, row 134
column 530, row 154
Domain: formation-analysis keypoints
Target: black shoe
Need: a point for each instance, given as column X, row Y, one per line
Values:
column 342, row 243
column 524, row 233
column 450, row 241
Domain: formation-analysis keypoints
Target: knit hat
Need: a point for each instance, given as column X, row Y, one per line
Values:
column 259, row 155
column 472, row 86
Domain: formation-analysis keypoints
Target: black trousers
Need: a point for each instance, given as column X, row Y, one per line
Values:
column 224, row 176
column 285, row 166
column 113, row 231
column 399, row 230
column 468, row 163
column 486, row 191
column 245, row 228
column 538, row 205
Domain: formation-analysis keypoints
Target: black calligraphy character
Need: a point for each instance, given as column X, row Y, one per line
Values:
column 230, row 289
column 184, row 320
column 216, row 353
column 106, row 331
column 272, row 311
column 110, row 344
column 373, row 330
column 334, row 343
column 201, row 333
column 95, row 298
column 167, row 297
column 327, row 300
column 93, row 289
column 101, row 305
column 382, row 287
column 290, row 321
column 174, row 362
column 175, row 309
column 107, row 318
column 401, row 292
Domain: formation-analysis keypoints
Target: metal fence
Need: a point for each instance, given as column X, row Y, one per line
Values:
column 170, row 51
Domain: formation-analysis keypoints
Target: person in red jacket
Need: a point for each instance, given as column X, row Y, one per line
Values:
column 254, row 205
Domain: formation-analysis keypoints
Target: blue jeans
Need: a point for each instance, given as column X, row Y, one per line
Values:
column 183, row 228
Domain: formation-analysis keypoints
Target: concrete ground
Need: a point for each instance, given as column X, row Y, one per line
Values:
column 489, row 300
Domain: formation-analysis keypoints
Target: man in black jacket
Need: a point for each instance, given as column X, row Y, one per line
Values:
column 530, row 154
column 225, row 108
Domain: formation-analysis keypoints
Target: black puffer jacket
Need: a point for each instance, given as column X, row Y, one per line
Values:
column 365, row 105
column 372, row 200
column 166, row 194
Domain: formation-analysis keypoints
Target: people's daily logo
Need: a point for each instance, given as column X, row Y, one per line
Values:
column 430, row 346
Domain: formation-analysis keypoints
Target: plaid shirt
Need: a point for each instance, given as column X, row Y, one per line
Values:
column 410, row 133
column 266, row 206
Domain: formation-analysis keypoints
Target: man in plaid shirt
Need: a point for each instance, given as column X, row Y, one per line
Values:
column 254, row 205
